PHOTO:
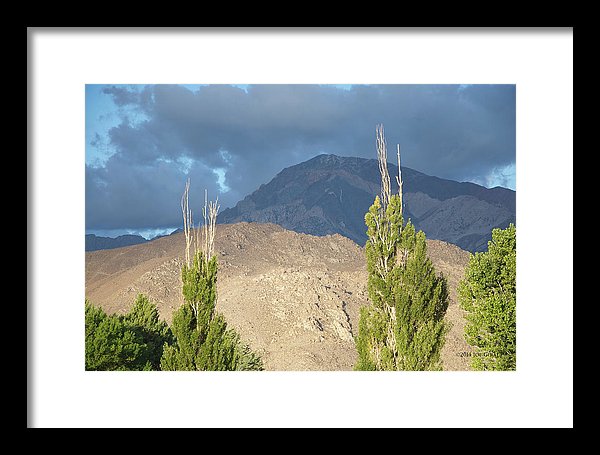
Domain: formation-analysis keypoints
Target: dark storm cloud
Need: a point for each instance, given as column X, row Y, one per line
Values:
column 124, row 196
column 248, row 136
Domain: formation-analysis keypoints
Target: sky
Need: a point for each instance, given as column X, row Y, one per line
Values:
column 144, row 141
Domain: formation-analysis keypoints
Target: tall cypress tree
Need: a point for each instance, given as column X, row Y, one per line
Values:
column 203, row 341
column 403, row 328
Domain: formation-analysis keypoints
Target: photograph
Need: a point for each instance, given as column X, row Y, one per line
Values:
column 300, row 227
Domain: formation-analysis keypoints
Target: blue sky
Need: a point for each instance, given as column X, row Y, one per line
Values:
column 142, row 141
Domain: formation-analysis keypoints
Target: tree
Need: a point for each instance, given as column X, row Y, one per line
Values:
column 131, row 342
column 488, row 295
column 403, row 328
column 203, row 341
column 143, row 318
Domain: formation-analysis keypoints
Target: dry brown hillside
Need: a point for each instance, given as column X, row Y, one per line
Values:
column 294, row 298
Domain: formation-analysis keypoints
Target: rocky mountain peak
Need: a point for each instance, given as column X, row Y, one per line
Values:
column 330, row 194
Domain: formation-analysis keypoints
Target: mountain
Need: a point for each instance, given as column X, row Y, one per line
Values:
column 330, row 194
column 94, row 242
column 295, row 298
column 176, row 231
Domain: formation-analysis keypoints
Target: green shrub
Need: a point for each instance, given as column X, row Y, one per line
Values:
column 131, row 342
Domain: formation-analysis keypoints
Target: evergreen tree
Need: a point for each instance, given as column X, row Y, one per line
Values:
column 203, row 341
column 488, row 294
column 130, row 342
column 143, row 318
column 403, row 328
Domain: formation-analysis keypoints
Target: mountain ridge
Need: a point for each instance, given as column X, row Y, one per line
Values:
column 330, row 194
column 94, row 242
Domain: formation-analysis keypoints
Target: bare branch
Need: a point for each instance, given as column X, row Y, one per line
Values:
column 399, row 179
column 205, row 225
column 210, row 212
column 382, row 158
column 200, row 239
column 187, row 221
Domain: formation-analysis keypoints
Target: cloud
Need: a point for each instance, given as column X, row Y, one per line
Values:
column 499, row 176
column 231, row 139
column 138, row 196
column 122, row 96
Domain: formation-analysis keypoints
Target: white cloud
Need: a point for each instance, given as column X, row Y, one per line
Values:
column 504, row 176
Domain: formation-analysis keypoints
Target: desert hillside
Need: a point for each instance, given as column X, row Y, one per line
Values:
column 295, row 298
